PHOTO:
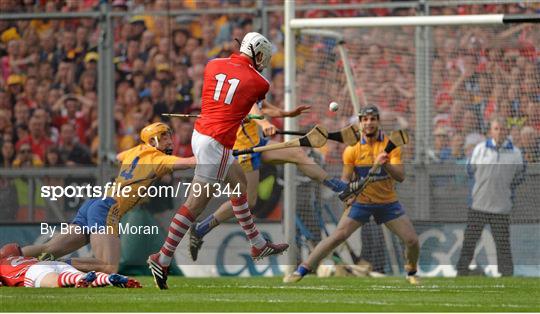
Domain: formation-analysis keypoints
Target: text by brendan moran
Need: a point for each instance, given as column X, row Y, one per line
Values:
column 65, row 228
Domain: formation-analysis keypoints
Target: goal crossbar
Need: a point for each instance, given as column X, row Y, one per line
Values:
column 414, row 20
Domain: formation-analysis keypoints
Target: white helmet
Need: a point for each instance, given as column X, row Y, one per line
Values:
column 252, row 44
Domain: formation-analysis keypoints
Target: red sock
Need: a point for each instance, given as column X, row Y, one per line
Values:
column 245, row 219
column 178, row 228
column 68, row 279
column 102, row 279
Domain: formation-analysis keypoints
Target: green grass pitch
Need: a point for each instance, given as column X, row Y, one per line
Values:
column 391, row 294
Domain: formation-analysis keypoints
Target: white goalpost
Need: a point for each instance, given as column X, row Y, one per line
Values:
column 331, row 29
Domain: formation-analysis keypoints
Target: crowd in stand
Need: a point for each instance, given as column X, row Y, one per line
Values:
column 48, row 74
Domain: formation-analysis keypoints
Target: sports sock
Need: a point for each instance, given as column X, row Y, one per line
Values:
column 410, row 269
column 205, row 226
column 245, row 219
column 69, row 279
column 180, row 224
column 302, row 270
column 102, row 279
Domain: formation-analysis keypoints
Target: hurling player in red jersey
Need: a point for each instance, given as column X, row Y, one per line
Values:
column 20, row 271
column 231, row 87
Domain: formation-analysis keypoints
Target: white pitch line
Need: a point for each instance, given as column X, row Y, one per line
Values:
column 363, row 302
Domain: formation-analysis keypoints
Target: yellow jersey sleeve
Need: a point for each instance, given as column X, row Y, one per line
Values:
column 395, row 156
column 164, row 163
column 349, row 156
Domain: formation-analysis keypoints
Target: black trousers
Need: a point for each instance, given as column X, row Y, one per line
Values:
column 500, row 227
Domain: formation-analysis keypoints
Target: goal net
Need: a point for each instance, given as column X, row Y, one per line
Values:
column 465, row 75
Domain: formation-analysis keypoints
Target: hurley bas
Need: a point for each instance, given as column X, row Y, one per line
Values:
column 65, row 228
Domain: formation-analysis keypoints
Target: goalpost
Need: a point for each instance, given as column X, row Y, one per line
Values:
column 319, row 69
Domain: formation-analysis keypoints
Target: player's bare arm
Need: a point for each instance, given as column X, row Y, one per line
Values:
column 185, row 163
column 347, row 173
column 396, row 171
column 276, row 112
column 268, row 128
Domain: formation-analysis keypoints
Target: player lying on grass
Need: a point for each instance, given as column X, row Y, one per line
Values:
column 141, row 166
column 248, row 135
column 230, row 88
column 20, row 271
column 379, row 199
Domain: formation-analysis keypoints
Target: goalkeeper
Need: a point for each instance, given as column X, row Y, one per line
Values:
column 248, row 135
column 378, row 199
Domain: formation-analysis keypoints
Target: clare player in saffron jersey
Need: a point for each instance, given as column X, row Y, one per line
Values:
column 379, row 199
column 141, row 166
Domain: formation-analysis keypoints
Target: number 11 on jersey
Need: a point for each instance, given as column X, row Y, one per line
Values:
column 230, row 93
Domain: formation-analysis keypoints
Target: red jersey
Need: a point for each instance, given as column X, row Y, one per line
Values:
column 13, row 270
column 230, row 88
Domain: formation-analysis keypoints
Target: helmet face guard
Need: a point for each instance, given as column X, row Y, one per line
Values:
column 369, row 110
column 154, row 131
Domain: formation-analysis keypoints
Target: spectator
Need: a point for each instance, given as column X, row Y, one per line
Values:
column 21, row 131
column 8, row 154
column 533, row 114
column 67, row 51
column 458, row 148
column 182, row 138
column 25, row 157
column 47, row 45
column 90, row 61
column 5, row 123
column 68, row 110
column 441, row 151
column 53, row 158
column 30, row 90
column 5, row 103
column 15, row 87
column 21, row 113
column 131, row 136
column 497, row 167
column 45, row 119
column 70, row 150
column 36, row 139
column 156, row 96
column 87, row 83
column 529, row 144
column 65, row 76
column 172, row 104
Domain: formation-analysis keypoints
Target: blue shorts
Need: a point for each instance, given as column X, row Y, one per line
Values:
column 252, row 162
column 381, row 212
column 94, row 212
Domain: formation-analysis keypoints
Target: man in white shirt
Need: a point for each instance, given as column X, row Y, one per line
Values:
column 497, row 167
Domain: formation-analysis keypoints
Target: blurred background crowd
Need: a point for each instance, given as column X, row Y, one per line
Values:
column 48, row 74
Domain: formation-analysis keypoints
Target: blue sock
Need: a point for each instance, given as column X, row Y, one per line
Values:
column 302, row 270
column 335, row 184
column 203, row 227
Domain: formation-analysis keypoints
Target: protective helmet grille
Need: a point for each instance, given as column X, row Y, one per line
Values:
column 154, row 130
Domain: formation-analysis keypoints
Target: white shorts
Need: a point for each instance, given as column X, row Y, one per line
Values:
column 213, row 159
column 38, row 271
